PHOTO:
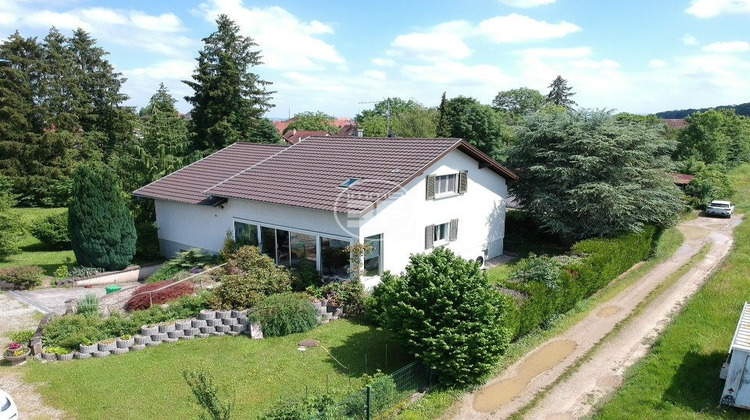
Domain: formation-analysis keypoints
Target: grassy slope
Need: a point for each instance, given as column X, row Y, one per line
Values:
column 436, row 403
column 258, row 373
column 32, row 252
column 679, row 378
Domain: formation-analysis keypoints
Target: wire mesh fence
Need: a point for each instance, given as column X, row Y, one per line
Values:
column 380, row 396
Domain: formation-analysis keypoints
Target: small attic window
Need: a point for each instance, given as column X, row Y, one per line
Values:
column 349, row 182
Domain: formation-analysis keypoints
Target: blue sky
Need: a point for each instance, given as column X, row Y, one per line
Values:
column 635, row 56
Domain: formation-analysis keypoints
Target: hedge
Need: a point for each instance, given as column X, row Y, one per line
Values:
column 600, row 260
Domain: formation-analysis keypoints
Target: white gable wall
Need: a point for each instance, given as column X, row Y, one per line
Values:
column 480, row 213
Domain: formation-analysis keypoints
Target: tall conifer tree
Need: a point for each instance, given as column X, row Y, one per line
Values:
column 228, row 99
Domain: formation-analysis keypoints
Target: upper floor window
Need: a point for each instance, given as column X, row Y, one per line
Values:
column 446, row 185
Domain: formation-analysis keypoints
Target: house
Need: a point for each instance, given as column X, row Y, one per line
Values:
column 294, row 136
column 307, row 202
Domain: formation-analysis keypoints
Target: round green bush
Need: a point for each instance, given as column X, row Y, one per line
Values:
column 52, row 231
column 284, row 314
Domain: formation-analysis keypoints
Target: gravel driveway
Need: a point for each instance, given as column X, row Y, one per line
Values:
column 602, row 372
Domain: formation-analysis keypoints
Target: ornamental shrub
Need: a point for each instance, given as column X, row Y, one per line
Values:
column 448, row 316
column 88, row 305
column 349, row 295
column 24, row 277
column 101, row 227
column 52, row 231
column 24, row 337
column 141, row 299
column 285, row 313
column 250, row 277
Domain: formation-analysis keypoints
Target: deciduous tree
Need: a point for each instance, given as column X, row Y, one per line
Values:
column 519, row 101
column 313, row 121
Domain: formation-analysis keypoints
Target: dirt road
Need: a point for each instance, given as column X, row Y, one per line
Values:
column 574, row 397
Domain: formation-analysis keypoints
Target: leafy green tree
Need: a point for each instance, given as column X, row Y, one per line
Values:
column 313, row 121
column 388, row 107
column 417, row 122
column 265, row 132
column 374, row 126
column 11, row 227
column 715, row 137
column 560, row 93
column 710, row 183
column 228, row 98
column 447, row 315
column 101, row 227
column 586, row 174
column 519, row 101
column 478, row 124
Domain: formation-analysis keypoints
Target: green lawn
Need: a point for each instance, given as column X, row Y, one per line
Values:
column 679, row 379
column 32, row 251
column 258, row 373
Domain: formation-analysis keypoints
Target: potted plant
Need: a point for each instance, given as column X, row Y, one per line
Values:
column 108, row 344
column 87, row 346
column 125, row 341
column 16, row 353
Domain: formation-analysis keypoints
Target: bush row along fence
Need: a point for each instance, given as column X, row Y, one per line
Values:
column 600, row 261
column 382, row 397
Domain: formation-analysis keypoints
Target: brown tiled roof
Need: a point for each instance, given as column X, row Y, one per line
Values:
column 682, row 179
column 187, row 184
column 676, row 123
column 309, row 173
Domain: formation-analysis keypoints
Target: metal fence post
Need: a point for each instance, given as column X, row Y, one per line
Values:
column 369, row 401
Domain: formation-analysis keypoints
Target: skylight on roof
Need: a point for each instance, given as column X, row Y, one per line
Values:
column 349, row 182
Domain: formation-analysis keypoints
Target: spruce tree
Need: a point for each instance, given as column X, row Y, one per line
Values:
column 101, row 227
column 560, row 93
column 228, row 99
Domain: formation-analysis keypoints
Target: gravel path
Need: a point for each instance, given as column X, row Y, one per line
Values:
column 573, row 398
column 18, row 316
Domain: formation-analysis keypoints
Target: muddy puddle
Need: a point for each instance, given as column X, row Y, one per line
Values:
column 498, row 394
column 608, row 311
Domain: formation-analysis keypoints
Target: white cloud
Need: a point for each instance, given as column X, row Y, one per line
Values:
column 518, row 28
column 727, row 47
column 431, row 46
column 526, row 3
column 383, row 62
column 593, row 64
column 576, row 52
column 48, row 19
column 658, row 64
column 286, row 42
column 374, row 74
column 166, row 22
column 453, row 73
column 102, row 15
column 711, row 8
column 689, row 40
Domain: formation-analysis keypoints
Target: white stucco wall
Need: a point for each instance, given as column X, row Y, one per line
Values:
column 480, row 211
column 184, row 226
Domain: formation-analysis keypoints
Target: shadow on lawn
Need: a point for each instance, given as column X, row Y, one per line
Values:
column 696, row 383
column 368, row 351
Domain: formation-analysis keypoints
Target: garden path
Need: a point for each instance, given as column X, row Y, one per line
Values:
column 600, row 370
column 16, row 316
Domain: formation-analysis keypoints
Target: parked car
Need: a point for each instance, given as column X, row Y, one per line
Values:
column 8, row 409
column 720, row 208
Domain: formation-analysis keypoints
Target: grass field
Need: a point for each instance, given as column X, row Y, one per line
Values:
column 679, row 379
column 257, row 373
column 32, row 251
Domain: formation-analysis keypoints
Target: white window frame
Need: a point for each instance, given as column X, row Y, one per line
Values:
column 441, row 234
column 444, row 180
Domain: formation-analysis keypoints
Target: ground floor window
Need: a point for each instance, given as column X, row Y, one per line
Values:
column 294, row 249
column 334, row 257
column 374, row 258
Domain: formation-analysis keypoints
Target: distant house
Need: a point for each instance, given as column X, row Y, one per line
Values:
column 346, row 126
column 293, row 136
column 676, row 123
column 307, row 202
column 681, row 180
